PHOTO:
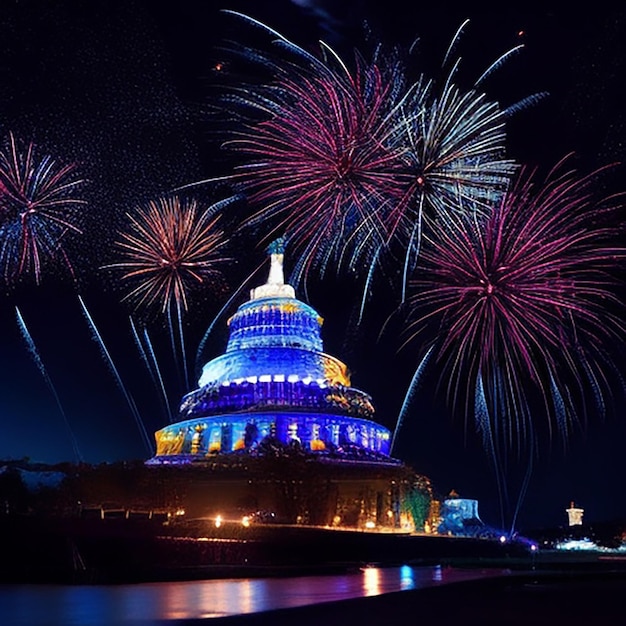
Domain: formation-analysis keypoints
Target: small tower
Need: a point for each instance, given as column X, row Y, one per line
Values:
column 575, row 515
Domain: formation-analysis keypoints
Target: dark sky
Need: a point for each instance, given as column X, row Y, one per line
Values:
column 121, row 89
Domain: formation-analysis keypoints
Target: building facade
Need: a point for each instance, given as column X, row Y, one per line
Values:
column 276, row 430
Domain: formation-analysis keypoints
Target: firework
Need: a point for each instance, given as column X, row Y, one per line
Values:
column 347, row 163
column 318, row 170
column 38, row 209
column 521, row 304
column 452, row 146
column 171, row 248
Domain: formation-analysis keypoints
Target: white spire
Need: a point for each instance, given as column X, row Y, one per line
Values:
column 275, row 286
column 276, row 275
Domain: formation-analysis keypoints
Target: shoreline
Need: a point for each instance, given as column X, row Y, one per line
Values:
column 73, row 551
column 515, row 599
column 79, row 552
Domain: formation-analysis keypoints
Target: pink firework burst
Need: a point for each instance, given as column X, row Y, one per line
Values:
column 39, row 207
column 523, row 303
column 320, row 172
column 315, row 163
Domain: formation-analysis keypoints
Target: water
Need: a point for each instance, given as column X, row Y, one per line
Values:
column 150, row 603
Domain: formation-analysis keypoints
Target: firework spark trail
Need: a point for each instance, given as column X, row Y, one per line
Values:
column 453, row 147
column 142, row 352
column 525, row 299
column 177, row 342
column 158, row 372
column 35, row 354
column 484, row 426
column 523, row 488
column 227, row 304
column 183, row 350
column 170, row 247
column 151, row 365
column 496, row 456
column 38, row 209
column 131, row 403
column 412, row 390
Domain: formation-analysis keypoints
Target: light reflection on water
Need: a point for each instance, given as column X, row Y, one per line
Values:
column 108, row 605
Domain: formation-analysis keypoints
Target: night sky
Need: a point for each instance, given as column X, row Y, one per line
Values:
column 121, row 88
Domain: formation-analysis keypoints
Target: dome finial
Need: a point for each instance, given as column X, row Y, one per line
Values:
column 276, row 251
column 275, row 286
column 277, row 246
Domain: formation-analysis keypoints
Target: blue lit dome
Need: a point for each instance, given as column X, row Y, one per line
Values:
column 274, row 387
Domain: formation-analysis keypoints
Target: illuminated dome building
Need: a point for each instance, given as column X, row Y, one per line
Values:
column 276, row 429
column 274, row 386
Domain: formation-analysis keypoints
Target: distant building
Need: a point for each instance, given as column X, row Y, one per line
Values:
column 457, row 515
column 575, row 515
